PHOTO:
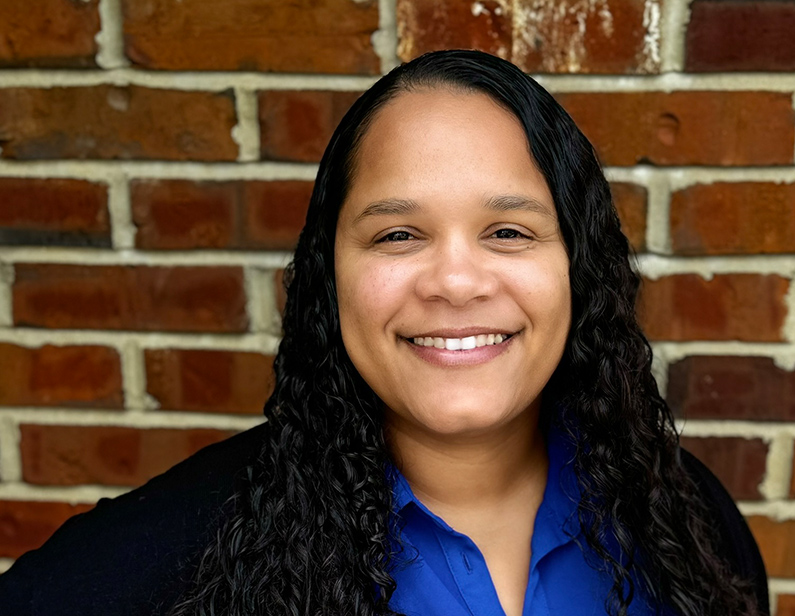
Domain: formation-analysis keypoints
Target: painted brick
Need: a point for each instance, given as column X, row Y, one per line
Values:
column 183, row 214
column 567, row 36
column 112, row 122
column 739, row 463
column 56, row 33
column 739, row 387
column 686, row 128
column 106, row 455
column 630, row 201
column 740, row 36
column 301, row 36
column 59, row 212
column 26, row 525
column 297, row 125
column 209, row 380
column 776, row 540
column 733, row 218
column 77, row 376
column 748, row 307
column 786, row 605
column 202, row 299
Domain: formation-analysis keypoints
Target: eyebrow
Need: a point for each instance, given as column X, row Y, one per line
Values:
column 389, row 207
column 508, row 203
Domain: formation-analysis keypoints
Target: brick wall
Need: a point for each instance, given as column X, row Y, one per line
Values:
column 156, row 162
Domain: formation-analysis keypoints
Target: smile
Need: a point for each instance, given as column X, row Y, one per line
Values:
column 461, row 344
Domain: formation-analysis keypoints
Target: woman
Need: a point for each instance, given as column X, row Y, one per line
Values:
column 464, row 419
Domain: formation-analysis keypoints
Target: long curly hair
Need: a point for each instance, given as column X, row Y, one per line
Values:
column 311, row 532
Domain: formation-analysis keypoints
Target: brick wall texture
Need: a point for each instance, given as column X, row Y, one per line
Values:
column 156, row 160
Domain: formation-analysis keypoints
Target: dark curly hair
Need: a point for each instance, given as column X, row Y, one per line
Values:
column 311, row 529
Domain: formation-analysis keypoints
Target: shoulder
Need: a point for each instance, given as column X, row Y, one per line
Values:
column 133, row 554
column 737, row 544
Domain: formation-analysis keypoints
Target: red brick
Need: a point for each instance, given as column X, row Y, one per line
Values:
column 107, row 455
column 547, row 37
column 740, row 36
column 739, row 463
column 79, row 376
column 630, row 202
column 297, row 125
column 748, row 307
column 281, row 291
column 26, row 525
column 207, row 299
column 51, row 33
column 718, row 387
column 776, row 542
column 786, row 605
column 301, row 36
column 686, row 128
column 733, row 218
column 53, row 211
column 182, row 214
column 208, row 380
column 112, row 122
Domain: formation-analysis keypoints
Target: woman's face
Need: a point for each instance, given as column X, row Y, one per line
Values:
column 447, row 243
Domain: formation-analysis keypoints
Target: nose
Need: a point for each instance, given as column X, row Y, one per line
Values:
column 456, row 272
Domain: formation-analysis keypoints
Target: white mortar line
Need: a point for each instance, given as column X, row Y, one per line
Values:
column 5, row 564
column 659, row 368
column 10, row 459
column 656, row 266
column 110, row 38
column 782, row 354
column 133, row 377
column 35, row 337
column 778, row 474
column 788, row 329
column 261, row 300
column 384, row 40
column 781, row 586
column 675, row 17
column 85, row 494
column 115, row 418
column 6, row 296
column 682, row 177
column 734, row 428
column 775, row 510
column 246, row 132
column 658, row 237
column 121, row 225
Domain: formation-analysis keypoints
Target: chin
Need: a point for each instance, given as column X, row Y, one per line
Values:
column 462, row 420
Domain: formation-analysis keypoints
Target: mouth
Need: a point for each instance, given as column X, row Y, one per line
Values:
column 461, row 344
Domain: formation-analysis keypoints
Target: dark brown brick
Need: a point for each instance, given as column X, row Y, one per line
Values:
column 26, row 525
column 297, row 125
column 113, row 122
column 748, row 307
column 78, row 376
column 281, row 291
column 51, row 33
column 107, row 455
column 53, row 212
column 739, row 463
column 630, row 202
column 687, row 128
column 721, row 387
column 208, row 299
column 776, row 542
column 209, row 380
column 733, row 218
column 740, row 36
column 301, row 36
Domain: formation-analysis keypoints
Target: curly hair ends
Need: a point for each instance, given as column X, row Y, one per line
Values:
column 310, row 531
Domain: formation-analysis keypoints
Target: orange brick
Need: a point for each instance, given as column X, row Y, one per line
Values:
column 25, row 525
column 630, row 202
column 300, row 36
column 275, row 213
column 739, row 463
column 748, row 307
column 75, row 455
column 776, row 542
column 786, row 605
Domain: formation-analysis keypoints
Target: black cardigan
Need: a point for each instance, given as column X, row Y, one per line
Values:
column 134, row 555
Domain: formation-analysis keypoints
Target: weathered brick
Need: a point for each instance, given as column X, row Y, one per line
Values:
column 209, row 380
column 686, row 128
column 630, row 202
column 739, row 387
column 182, row 214
column 107, row 455
column 733, row 218
column 786, row 605
column 297, row 125
column 61, row 212
column 209, row 299
column 79, row 376
column 739, row 463
column 776, row 542
column 56, row 33
column 129, row 122
column 567, row 36
column 740, row 36
column 26, row 525
column 748, row 307
column 301, row 36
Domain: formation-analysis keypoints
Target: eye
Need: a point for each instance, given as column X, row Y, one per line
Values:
column 509, row 234
column 395, row 236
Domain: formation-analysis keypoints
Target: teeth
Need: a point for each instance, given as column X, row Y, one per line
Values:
column 461, row 344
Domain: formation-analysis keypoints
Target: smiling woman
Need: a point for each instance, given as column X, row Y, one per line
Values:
column 464, row 420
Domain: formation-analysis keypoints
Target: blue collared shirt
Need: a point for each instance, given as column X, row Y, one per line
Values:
column 443, row 572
